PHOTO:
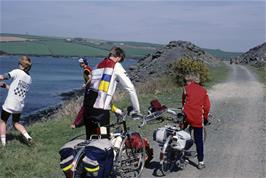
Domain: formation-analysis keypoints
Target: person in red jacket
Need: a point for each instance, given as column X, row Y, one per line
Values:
column 196, row 105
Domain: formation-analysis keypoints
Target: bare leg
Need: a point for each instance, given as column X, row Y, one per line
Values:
column 2, row 127
column 3, row 132
column 22, row 130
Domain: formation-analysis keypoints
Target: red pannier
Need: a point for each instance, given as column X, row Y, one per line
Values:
column 137, row 142
column 156, row 106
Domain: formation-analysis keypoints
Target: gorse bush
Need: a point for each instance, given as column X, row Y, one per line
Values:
column 186, row 67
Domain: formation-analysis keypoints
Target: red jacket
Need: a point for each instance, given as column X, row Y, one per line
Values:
column 196, row 104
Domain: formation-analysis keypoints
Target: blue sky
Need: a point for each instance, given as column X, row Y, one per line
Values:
column 228, row 25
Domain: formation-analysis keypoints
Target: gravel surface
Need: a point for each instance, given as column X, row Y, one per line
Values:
column 236, row 140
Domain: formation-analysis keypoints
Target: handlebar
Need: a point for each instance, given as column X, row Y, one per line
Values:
column 157, row 114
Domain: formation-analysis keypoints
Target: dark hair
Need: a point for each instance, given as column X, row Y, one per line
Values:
column 85, row 62
column 26, row 63
column 117, row 52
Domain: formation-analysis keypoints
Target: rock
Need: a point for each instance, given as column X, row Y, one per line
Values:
column 254, row 55
column 157, row 64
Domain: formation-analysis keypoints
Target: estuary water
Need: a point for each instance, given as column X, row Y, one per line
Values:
column 51, row 76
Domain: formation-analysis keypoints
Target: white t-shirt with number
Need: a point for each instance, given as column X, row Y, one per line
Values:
column 19, row 87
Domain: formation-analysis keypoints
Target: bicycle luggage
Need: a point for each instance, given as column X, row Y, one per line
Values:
column 160, row 135
column 137, row 142
column 98, row 160
column 67, row 153
column 180, row 140
column 156, row 106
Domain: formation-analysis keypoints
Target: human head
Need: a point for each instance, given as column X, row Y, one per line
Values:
column 117, row 53
column 83, row 62
column 195, row 77
column 25, row 63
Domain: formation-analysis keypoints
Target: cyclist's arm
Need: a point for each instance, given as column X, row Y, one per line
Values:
column 5, row 76
column 126, row 83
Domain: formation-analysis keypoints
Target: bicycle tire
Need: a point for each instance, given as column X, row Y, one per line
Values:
column 166, row 161
column 78, row 170
column 130, row 161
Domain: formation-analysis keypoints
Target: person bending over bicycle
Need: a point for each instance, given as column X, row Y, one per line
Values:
column 196, row 105
column 97, row 101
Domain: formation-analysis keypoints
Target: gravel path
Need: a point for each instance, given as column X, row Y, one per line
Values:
column 236, row 145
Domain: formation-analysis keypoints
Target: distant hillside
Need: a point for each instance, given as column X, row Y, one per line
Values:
column 254, row 55
column 225, row 55
column 52, row 46
column 157, row 64
column 16, row 44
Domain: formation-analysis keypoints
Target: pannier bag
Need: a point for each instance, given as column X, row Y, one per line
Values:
column 155, row 105
column 180, row 140
column 98, row 160
column 160, row 135
column 137, row 142
column 67, row 153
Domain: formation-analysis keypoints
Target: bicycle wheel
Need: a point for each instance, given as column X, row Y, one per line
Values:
column 78, row 170
column 167, row 157
column 130, row 160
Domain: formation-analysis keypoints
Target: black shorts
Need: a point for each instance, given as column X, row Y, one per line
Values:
column 94, row 117
column 5, row 115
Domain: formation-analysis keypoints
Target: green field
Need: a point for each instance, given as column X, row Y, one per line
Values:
column 36, row 45
column 54, row 46
column 42, row 160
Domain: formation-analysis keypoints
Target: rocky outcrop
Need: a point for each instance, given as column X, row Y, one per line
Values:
column 157, row 64
column 256, row 55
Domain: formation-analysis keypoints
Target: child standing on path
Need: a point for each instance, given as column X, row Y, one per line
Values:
column 14, row 102
column 197, row 105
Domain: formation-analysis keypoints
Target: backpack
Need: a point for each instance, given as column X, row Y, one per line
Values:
column 155, row 105
column 98, row 159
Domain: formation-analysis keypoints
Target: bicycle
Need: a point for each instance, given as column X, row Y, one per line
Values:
column 128, row 160
column 174, row 140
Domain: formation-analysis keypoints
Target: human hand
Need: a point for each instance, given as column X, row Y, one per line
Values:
column 206, row 122
column 2, row 85
column 73, row 126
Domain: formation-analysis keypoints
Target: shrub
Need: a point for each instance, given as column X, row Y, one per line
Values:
column 190, row 67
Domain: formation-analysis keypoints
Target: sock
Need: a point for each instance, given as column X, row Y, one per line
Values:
column 26, row 135
column 3, row 140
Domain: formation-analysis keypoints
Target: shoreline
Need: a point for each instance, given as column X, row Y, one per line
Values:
column 62, row 56
column 44, row 113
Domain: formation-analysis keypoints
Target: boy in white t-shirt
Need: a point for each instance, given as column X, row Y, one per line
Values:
column 14, row 102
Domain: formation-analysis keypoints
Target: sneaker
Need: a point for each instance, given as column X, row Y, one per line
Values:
column 29, row 141
column 201, row 165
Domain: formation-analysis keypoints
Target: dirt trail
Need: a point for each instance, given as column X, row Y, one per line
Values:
column 236, row 145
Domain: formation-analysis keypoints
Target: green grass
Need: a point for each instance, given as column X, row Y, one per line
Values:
column 38, row 45
column 57, row 46
column 260, row 73
column 24, row 47
column 218, row 74
column 223, row 54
